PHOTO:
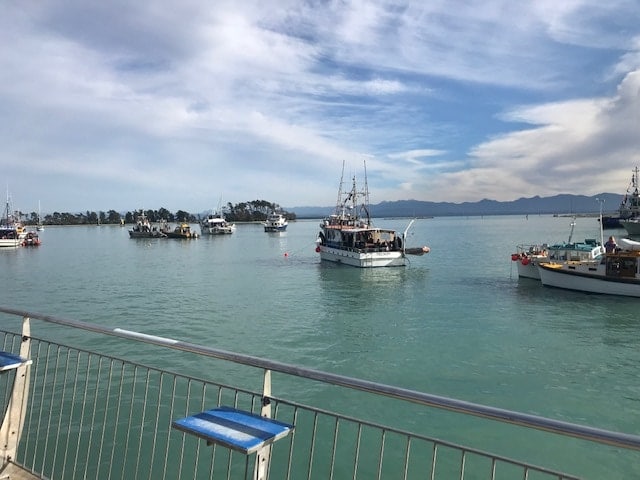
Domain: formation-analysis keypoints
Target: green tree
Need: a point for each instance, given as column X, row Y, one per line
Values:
column 164, row 214
column 113, row 217
column 182, row 216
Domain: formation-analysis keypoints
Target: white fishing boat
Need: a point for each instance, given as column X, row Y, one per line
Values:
column 630, row 220
column 275, row 222
column 528, row 256
column 12, row 232
column 216, row 224
column 144, row 229
column 9, row 238
column 349, row 237
column 628, row 211
column 618, row 273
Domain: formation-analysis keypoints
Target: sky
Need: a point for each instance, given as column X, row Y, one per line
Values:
column 185, row 105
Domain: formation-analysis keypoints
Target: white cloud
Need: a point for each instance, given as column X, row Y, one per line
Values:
column 582, row 146
column 491, row 100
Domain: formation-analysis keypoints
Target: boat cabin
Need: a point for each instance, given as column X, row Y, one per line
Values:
column 362, row 239
column 8, row 233
column 622, row 264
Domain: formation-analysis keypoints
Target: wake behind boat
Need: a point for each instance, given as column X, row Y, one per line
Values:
column 349, row 237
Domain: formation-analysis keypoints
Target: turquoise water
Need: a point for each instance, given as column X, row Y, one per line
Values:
column 457, row 322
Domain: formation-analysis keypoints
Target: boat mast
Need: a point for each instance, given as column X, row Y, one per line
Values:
column 340, row 203
column 573, row 225
column 8, row 214
column 366, row 187
column 601, row 201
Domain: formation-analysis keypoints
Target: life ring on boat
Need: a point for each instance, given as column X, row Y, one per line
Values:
column 525, row 261
column 515, row 257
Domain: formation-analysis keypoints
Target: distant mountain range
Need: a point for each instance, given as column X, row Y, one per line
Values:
column 558, row 204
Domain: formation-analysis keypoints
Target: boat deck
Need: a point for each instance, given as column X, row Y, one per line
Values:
column 15, row 472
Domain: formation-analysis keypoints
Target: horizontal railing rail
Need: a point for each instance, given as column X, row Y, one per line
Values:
column 121, row 404
column 593, row 434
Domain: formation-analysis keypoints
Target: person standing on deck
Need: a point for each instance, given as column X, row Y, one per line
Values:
column 610, row 245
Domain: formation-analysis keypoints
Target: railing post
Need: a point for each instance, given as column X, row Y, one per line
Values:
column 261, row 469
column 15, row 414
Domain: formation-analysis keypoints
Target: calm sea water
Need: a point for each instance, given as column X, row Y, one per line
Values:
column 456, row 322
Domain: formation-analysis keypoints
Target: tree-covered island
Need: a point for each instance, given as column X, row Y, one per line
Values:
column 253, row 211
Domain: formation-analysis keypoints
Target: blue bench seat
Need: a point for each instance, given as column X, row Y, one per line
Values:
column 236, row 429
column 9, row 361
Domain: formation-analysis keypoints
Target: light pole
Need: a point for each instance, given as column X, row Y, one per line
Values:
column 601, row 202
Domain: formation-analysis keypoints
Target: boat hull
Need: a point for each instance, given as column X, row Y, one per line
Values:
column 9, row 242
column 611, row 222
column 530, row 269
column 156, row 234
column 360, row 259
column 631, row 226
column 281, row 228
column 217, row 230
column 586, row 279
column 183, row 236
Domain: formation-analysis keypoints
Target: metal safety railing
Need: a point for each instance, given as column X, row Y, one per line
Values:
column 90, row 414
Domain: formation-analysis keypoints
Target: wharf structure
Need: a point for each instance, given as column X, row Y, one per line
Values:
column 76, row 411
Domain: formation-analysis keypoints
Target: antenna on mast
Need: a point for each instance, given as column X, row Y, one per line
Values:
column 339, row 202
column 366, row 185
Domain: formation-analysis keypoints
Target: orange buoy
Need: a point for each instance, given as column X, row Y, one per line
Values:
column 525, row 261
column 515, row 257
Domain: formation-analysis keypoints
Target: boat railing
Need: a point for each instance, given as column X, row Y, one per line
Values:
column 89, row 413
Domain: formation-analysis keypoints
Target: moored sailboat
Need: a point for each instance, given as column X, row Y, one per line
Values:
column 39, row 225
